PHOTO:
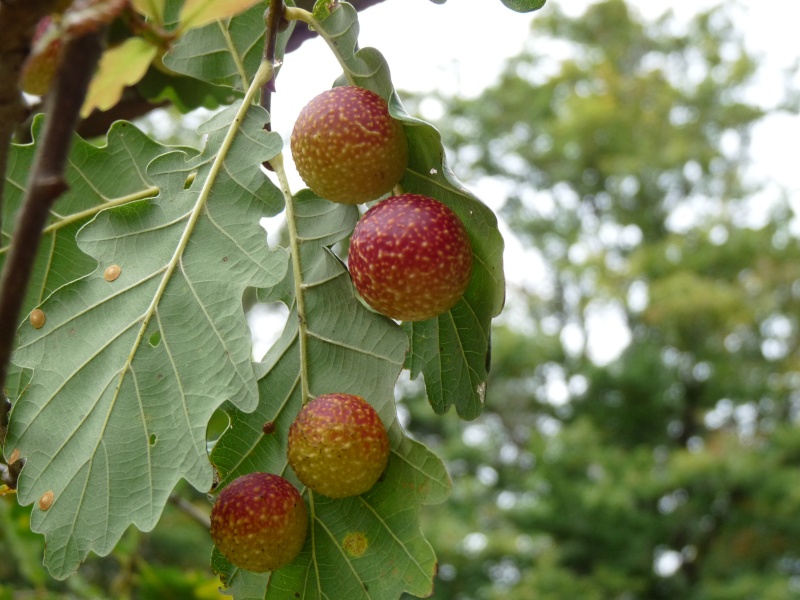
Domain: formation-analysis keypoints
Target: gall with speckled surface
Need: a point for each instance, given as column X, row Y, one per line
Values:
column 410, row 258
column 338, row 445
column 259, row 522
column 346, row 146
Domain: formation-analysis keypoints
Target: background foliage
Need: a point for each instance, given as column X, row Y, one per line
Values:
column 668, row 472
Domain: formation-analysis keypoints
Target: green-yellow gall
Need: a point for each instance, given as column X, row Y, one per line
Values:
column 338, row 445
column 347, row 147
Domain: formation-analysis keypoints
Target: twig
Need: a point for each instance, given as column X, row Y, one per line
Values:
column 9, row 474
column 46, row 182
column 275, row 21
column 17, row 22
column 191, row 510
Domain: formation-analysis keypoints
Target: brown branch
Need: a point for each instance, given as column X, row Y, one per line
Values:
column 131, row 106
column 46, row 182
column 17, row 22
column 191, row 510
column 275, row 22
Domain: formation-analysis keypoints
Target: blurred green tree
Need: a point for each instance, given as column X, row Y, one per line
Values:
column 640, row 434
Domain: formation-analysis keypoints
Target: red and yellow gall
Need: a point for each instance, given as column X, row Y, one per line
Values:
column 338, row 445
column 259, row 522
column 347, row 147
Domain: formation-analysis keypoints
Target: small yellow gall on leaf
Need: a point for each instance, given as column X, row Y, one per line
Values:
column 37, row 318
column 46, row 501
column 355, row 544
column 112, row 272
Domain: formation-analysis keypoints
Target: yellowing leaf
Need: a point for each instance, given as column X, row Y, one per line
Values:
column 119, row 67
column 196, row 13
column 152, row 9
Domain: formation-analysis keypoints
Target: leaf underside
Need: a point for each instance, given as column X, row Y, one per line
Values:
column 126, row 373
column 364, row 358
column 97, row 177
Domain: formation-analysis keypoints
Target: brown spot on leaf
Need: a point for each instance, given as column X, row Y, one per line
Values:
column 46, row 501
column 38, row 318
column 14, row 456
column 355, row 544
column 112, row 272
column 268, row 427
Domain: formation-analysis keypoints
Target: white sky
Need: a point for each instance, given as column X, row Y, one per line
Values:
column 462, row 45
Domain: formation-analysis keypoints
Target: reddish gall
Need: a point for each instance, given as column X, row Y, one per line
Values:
column 410, row 258
column 259, row 522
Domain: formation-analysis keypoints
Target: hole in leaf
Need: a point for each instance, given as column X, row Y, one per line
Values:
column 277, row 234
column 189, row 180
column 217, row 425
column 155, row 339
column 266, row 322
column 153, row 438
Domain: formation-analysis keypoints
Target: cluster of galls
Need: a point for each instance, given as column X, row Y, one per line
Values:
column 410, row 256
column 410, row 259
column 338, row 447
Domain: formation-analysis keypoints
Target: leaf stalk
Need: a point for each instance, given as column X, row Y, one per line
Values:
column 299, row 290
column 263, row 74
column 298, row 14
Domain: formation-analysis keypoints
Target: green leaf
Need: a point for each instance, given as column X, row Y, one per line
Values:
column 322, row 9
column 196, row 13
column 465, row 330
column 451, row 351
column 114, row 416
column 363, row 357
column 119, row 67
column 98, row 178
column 184, row 93
column 225, row 53
column 524, row 6
column 152, row 9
